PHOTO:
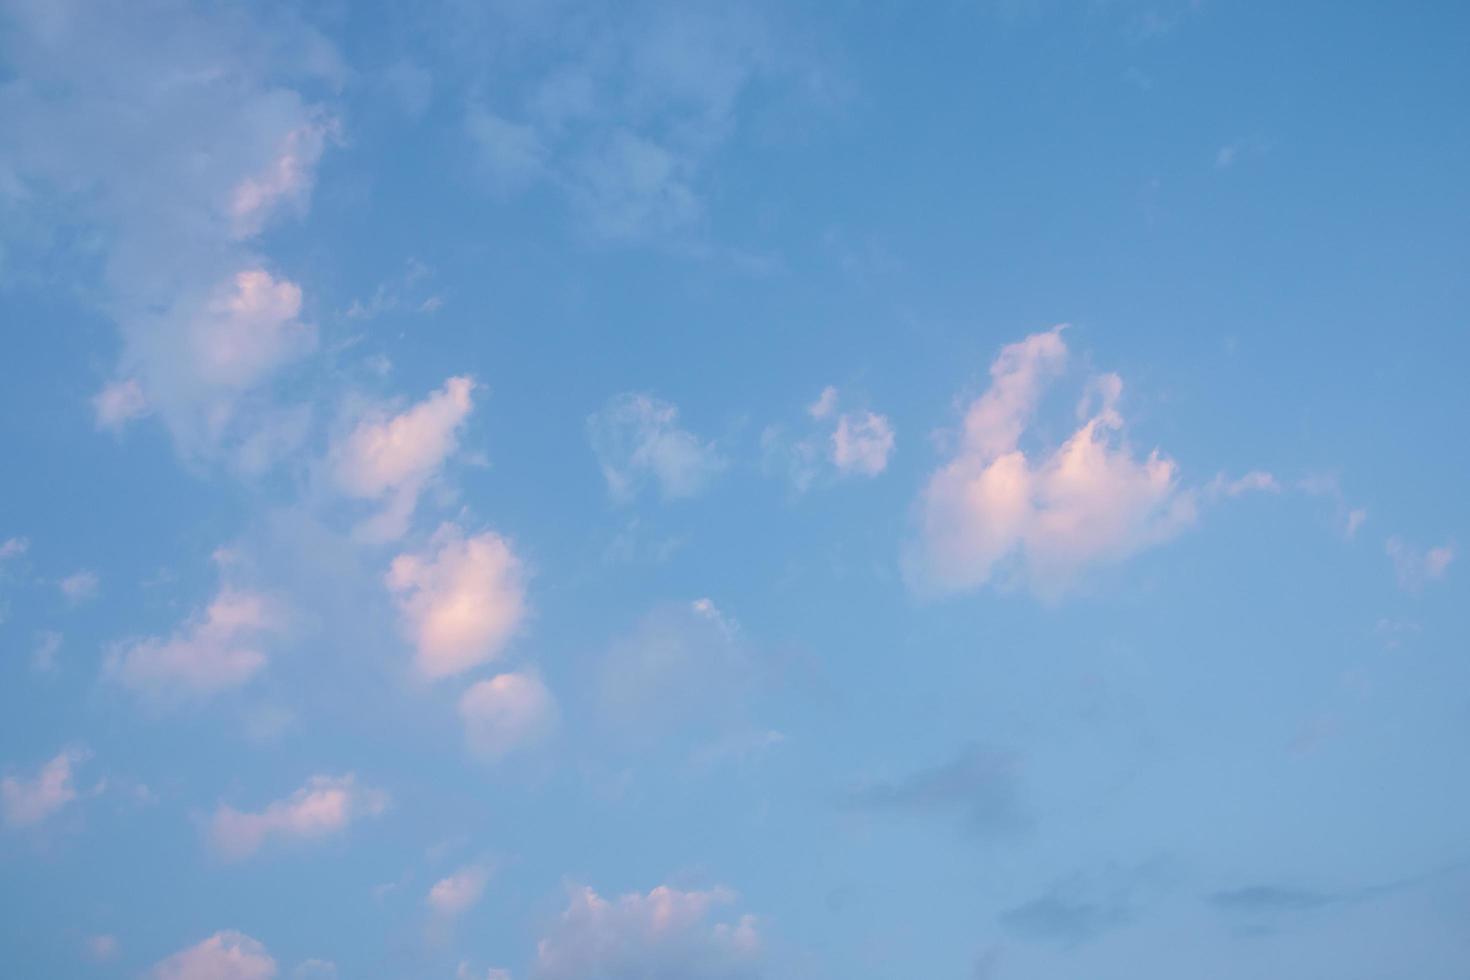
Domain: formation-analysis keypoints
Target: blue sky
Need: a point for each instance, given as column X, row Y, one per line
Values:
column 565, row 491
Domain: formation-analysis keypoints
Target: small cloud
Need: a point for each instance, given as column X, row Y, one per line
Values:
column 28, row 802
column 460, row 600
column 862, row 443
column 324, row 807
column 100, row 949
column 637, row 439
column 1268, row 899
column 226, row 955
column 856, row 443
column 1256, row 481
column 825, row 404
column 980, row 785
column 1081, row 907
column 284, row 184
column 505, row 713
column 1416, row 567
column 43, row 654
column 118, row 403
column 452, row 896
column 14, row 548
column 315, row 969
column 79, row 586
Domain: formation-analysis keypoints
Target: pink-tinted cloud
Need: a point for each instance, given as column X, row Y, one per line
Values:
column 1415, row 567
column 118, row 403
column 285, row 182
column 226, row 955
column 1042, row 517
column 391, row 458
column 28, row 802
column 666, row 933
column 324, row 807
column 221, row 648
column 460, row 600
column 506, row 712
column 455, row 894
column 861, row 443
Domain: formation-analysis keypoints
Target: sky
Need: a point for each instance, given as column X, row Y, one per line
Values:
column 682, row 491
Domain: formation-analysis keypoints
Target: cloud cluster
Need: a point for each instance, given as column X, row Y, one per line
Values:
column 28, row 802
column 325, row 806
column 853, row 443
column 637, row 439
column 1042, row 517
column 460, row 600
column 214, row 651
column 391, row 458
column 1415, row 567
column 226, row 955
column 666, row 933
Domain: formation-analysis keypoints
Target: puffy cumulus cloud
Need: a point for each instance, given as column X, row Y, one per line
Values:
column 118, row 403
column 637, row 438
column 28, row 802
column 1042, row 516
column 216, row 139
column 455, row 894
column 216, row 650
column 325, row 806
column 506, row 712
column 79, row 586
column 1416, row 567
column 391, row 458
column 666, row 933
column 460, row 600
column 683, row 664
column 226, row 955
column 855, row 443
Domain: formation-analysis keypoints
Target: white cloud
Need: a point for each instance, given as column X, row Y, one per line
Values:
column 226, row 955
column 666, row 933
column 391, row 458
column 325, row 806
column 1047, row 516
column 856, row 443
column 1415, row 567
column 79, row 586
column 460, row 601
column 118, row 403
column 214, row 651
column 862, row 443
column 506, row 712
column 454, row 895
column 27, row 802
column 43, row 654
column 637, row 438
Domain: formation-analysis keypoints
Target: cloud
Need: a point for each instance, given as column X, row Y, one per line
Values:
column 28, row 802
column 212, row 652
column 460, row 600
column 226, row 955
column 1416, row 567
column 637, row 438
column 666, row 933
column 1269, row 899
column 43, row 654
column 215, row 141
column 981, row 785
column 857, row 443
column 101, row 948
column 324, row 807
column 454, row 895
column 1048, row 516
column 118, row 403
column 683, row 664
column 505, row 713
column 1080, row 907
column 79, row 586
column 315, row 969
column 1256, row 481
column 391, row 458
column 13, row 548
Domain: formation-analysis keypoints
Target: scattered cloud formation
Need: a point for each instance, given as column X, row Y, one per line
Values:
column 28, row 802
column 1041, row 518
column 1416, row 567
column 118, row 403
column 981, row 785
column 454, row 895
column 324, row 807
column 392, row 458
column 79, row 586
column 666, row 933
column 226, row 955
column 856, row 443
column 505, row 713
column 637, row 439
column 212, row 652
column 284, row 183
column 460, row 600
